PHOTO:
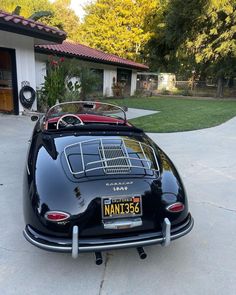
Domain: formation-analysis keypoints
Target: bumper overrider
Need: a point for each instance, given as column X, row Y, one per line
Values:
column 76, row 244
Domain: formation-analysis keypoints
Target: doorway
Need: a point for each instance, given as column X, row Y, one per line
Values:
column 124, row 78
column 8, row 82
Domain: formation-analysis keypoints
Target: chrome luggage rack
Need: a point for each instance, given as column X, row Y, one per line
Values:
column 110, row 155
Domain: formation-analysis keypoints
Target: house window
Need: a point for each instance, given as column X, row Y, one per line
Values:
column 98, row 90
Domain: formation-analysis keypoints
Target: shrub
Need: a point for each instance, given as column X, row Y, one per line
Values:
column 165, row 92
column 58, row 85
column 54, row 83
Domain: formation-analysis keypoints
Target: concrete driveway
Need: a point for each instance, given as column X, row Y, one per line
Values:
column 203, row 262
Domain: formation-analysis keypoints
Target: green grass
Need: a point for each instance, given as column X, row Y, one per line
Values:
column 179, row 114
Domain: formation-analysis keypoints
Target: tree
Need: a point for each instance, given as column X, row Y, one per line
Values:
column 157, row 50
column 56, row 14
column 39, row 14
column 117, row 26
column 171, row 24
column 65, row 18
column 27, row 7
column 215, row 44
column 202, row 37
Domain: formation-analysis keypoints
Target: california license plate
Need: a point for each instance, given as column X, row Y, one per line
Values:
column 115, row 207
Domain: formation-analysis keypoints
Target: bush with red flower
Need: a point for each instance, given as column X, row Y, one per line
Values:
column 54, row 82
column 58, row 85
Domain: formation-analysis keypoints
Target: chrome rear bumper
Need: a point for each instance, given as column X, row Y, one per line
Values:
column 76, row 244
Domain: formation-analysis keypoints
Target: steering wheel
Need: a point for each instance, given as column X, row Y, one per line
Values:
column 69, row 120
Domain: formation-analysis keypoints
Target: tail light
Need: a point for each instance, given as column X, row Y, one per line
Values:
column 56, row 216
column 176, row 207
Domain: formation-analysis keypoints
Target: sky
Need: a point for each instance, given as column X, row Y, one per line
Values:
column 77, row 6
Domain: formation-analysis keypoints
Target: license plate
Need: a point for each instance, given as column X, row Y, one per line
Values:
column 121, row 206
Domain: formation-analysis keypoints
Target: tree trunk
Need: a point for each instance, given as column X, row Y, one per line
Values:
column 220, row 86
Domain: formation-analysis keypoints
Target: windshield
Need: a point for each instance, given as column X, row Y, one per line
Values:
column 86, row 107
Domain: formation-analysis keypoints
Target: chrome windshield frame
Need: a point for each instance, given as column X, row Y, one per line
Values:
column 89, row 109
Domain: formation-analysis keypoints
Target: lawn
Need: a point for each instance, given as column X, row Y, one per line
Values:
column 179, row 114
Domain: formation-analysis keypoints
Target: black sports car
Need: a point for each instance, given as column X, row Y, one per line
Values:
column 94, row 182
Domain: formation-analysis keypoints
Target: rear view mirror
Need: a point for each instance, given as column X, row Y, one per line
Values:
column 125, row 108
column 89, row 105
column 34, row 118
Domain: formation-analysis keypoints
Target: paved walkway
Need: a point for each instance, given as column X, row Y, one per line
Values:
column 200, row 263
column 135, row 113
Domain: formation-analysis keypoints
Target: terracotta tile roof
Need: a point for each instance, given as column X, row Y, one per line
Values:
column 88, row 53
column 16, row 23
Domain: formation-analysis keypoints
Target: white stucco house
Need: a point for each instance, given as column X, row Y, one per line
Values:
column 18, row 36
column 109, row 67
column 24, row 48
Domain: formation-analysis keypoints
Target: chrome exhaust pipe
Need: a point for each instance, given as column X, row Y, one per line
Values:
column 141, row 253
column 98, row 258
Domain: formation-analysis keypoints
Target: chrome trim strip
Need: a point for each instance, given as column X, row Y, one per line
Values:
column 82, row 157
column 75, row 242
column 27, row 168
column 151, row 241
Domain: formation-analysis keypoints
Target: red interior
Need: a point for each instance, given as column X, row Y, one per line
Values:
column 90, row 118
